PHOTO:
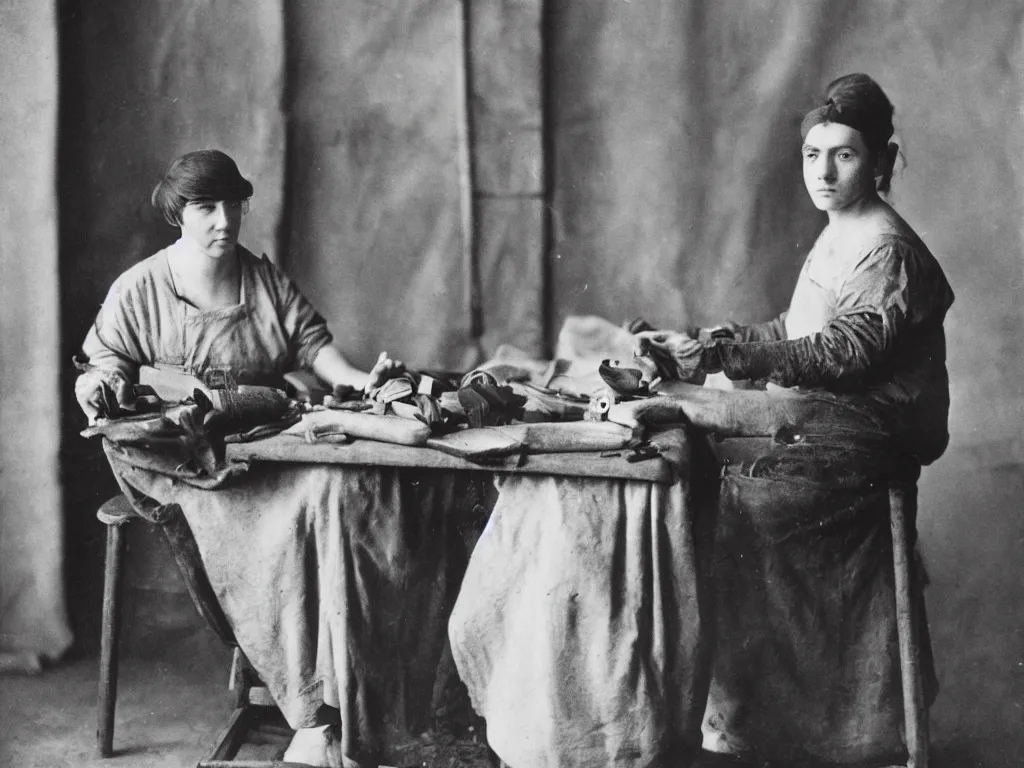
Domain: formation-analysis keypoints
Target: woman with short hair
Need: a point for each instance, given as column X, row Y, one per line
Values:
column 206, row 306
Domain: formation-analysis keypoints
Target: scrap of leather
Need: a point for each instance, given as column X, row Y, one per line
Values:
column 397, row 388
column 489, row 405
column 243, row 408
column 171, row 422
column 176, row 436
column 625, row 381
column 478, row 445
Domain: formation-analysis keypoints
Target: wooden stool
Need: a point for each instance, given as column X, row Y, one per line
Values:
column 253, row 703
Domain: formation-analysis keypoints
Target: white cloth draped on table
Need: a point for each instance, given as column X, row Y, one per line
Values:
column 577, row 629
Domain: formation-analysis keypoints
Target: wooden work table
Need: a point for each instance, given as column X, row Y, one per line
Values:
column 290, row 448
column 234, row 542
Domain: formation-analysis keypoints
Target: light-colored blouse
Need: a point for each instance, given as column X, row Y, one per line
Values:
column 143, row 321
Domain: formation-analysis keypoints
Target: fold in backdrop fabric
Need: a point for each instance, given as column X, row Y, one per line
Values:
column 33, row 617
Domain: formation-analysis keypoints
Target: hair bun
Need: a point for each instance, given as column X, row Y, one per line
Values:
column 859, row 102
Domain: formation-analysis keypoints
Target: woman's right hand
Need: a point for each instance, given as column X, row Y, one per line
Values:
column 103, row 394
column 385, row 368
column 676, row 355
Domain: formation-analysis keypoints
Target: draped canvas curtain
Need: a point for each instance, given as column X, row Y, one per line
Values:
column 624, row 159
column 394, row 150
column 32, row 611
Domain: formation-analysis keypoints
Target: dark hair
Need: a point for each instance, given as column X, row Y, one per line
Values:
column 859, row 102
column 208, row 174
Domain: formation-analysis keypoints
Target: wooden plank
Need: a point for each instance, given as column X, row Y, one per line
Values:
column 370, row 453
column 231, row 738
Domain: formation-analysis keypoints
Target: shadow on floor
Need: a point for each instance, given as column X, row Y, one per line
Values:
column 171, row 706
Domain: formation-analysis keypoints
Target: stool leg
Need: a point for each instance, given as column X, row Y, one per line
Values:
column 112, row 577
column 914, row 714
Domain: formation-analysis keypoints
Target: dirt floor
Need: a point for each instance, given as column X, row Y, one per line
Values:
column 171, row 706
column 173, row 701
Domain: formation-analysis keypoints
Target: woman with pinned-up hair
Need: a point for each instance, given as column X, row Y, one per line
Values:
column 857, row 398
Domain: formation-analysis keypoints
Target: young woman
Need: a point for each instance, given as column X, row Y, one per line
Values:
column 207, row 304
column 806, row 666
column 866, row 315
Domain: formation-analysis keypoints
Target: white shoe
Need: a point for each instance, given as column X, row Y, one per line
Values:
column 320, row 747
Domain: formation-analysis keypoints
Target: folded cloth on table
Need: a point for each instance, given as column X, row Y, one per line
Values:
column 510, row 364
column 583, row 342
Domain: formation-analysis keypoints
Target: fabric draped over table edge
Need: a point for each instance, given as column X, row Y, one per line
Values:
column 579, row 630
column 336, row 582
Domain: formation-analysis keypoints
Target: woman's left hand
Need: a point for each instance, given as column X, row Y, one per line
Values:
column 385, row 368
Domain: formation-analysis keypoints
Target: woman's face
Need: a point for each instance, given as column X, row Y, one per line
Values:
column 212, row 225
column 839, row 169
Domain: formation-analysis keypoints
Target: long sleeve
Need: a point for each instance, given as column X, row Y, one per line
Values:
column 889, row 296
column 843, row 353
column 772, row 330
